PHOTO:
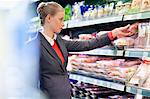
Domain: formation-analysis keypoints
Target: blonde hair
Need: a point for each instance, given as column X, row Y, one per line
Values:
column 45, row 8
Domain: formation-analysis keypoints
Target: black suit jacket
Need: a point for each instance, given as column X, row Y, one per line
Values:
column 54, row 80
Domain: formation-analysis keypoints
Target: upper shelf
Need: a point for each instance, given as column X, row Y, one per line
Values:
column 80, row 23
column 141, row 15
column 137, row 53
column 101, row 51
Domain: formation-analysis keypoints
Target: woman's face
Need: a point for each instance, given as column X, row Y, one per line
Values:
column 56, row 22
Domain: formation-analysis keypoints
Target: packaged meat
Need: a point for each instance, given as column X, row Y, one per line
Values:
column 132, row 63
column 145, row 5
column 141, row 74
column 114, row 69
column 148, row 36
column 141, row 39
column 136, row 4
column 147, row 83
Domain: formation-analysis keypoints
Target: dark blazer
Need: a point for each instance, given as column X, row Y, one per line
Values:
column 54, row 79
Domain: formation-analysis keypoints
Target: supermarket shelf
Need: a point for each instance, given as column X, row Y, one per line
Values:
column 141, row 15
column 36, row 20
column 79, row 23
column 136, row 90
column 101, row 51
column 97, row 81
column 137, row 53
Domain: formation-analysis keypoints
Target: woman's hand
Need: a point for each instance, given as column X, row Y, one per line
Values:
column 123, row 31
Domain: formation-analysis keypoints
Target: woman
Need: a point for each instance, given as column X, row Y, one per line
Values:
column 54, row 80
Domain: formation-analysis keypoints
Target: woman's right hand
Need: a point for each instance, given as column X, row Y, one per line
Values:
column 127, row 30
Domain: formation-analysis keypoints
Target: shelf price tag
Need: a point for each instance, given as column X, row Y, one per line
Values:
column 116, row 18
column 95, row 82
column 128, row 89
column 127, row 53
column 105, row 84
column 139, row 16
column 139, row 91
column 89, row 80
column 145, row 54
column 138, row 96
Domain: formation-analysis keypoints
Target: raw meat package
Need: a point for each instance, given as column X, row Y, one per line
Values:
column 141, row 75
column 147, row 83
column 114, row 69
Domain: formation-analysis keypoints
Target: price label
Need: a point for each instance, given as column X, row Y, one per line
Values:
column 145, row 54
column 138, row 96
column 105, row 84
column 84, row 79
column 117, row 18
column 127, row 53
column 139, row 16
column 95, row 81
column 132, row 17
column 139, row 91
column 99, row 82
column 128, row 89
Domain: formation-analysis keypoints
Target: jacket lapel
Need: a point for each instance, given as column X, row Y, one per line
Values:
column 49, row 48
column 62, row 47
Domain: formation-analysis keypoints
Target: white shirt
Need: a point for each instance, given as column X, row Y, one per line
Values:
column 50, row 40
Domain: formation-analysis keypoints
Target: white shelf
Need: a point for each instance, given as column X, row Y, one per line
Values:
column 137, row 53
column 112, row 85
column 97, row 81
column 80, row 23
column 136, row 90
column 141, row 15
column 101, row 51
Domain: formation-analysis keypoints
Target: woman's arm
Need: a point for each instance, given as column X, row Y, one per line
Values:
column 87, row 44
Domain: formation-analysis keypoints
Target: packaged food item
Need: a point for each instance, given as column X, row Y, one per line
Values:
column 136, row 4
column 147, row 83
column 142, row 73
column 148, row 36
column 76, row 11
column 111, row 7
column 106, row 10
column 118, row 7
column 127, row 7
column 145, row 5
column 93, row 13
column 100, row 12
column 141, row 39
column 122, row 8
column 68, row 12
